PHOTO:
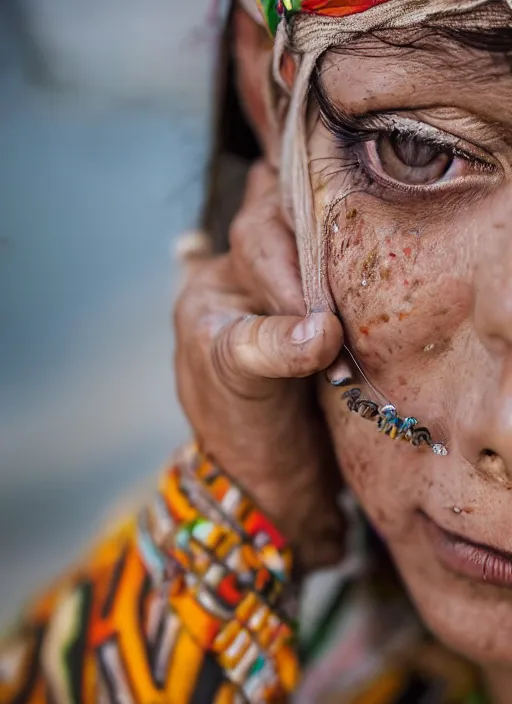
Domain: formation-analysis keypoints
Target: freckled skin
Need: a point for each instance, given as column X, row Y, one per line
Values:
column 432, row 329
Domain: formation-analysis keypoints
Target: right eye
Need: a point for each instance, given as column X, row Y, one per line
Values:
column 412, row 161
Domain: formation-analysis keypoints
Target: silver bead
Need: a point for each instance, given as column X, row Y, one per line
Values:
column 439, row 449
column 388, row 408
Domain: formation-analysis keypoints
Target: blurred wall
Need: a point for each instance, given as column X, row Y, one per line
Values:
column 104, row 132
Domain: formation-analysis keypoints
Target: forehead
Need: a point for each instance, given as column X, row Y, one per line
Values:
column 402, row 70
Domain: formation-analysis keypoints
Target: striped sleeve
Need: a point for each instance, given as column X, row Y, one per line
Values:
column 186, row 603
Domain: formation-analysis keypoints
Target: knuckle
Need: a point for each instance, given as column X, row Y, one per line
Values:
column 205, row 329
column 199, row 298
column 258, row 171
column 194, row 330
column 261, row 178
column 223, row 358
column 255, row 179
column 240, row 229
column 187, row 307
column 179, row 315
column 229, row 346
column 249, row 239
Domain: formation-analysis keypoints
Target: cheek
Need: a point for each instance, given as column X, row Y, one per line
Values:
column 401, row 304
column 387, row 480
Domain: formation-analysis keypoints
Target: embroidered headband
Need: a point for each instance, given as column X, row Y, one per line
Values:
column 274, row 10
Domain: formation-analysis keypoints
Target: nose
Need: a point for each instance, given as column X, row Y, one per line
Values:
column 486, row 441
column 486, row 437
column 492, row 317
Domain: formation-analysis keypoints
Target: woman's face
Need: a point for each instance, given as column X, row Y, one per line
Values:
column 419, row 260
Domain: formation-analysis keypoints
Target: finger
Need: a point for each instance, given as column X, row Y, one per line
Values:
column 265, row 263
column 264, row 252
column 190, row 250
column 193, row 245
column 277, row 347
column 340, row 373
column 262, row 181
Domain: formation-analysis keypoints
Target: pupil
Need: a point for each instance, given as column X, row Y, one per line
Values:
column 414, row 153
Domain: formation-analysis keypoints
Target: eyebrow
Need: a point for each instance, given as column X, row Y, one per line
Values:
column 436, row 43
column 480, row 75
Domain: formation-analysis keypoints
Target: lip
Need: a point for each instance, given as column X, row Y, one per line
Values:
column 478, row 562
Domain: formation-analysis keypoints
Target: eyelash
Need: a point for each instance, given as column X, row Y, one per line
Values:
column 351, row 136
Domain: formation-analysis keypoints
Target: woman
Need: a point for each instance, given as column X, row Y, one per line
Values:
column 395, row 174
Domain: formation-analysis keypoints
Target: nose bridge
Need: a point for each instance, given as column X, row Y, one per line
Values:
column 493, row 279
column 486, row 427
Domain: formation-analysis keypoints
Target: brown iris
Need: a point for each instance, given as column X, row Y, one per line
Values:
column 412, row 161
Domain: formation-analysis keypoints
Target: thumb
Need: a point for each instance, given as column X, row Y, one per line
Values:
column 278, row 347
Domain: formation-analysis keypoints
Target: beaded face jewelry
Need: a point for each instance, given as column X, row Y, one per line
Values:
column 385, row 415
column 390, row 423
column 387, row 419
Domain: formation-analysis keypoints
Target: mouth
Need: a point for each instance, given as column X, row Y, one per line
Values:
column 481, row 563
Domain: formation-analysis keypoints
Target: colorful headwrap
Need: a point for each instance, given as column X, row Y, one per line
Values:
column 273, row 11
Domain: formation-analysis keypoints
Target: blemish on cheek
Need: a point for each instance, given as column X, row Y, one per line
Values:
column 392, row 255
column 407, row 251
column 378, row 320
column 444, row 345
column 385, row 273
column 352, row 237
column 406, row 282
column 368, row 269
column 402, row 315
column 351, row 213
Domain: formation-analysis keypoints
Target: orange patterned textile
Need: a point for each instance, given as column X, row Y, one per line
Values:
column 181, row 605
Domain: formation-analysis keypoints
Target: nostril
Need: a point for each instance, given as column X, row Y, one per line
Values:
column 487, row 452
column 490, row 466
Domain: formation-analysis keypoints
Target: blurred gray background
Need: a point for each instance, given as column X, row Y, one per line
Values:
column 104, row 132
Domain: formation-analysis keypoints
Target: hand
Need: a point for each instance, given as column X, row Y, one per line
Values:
column 242, row 375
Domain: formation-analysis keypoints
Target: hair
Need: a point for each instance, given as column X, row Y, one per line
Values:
column 234, row 148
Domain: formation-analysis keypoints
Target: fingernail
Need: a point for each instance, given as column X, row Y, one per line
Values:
column 338, row 374
column 304, row 331
column 340, row 382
